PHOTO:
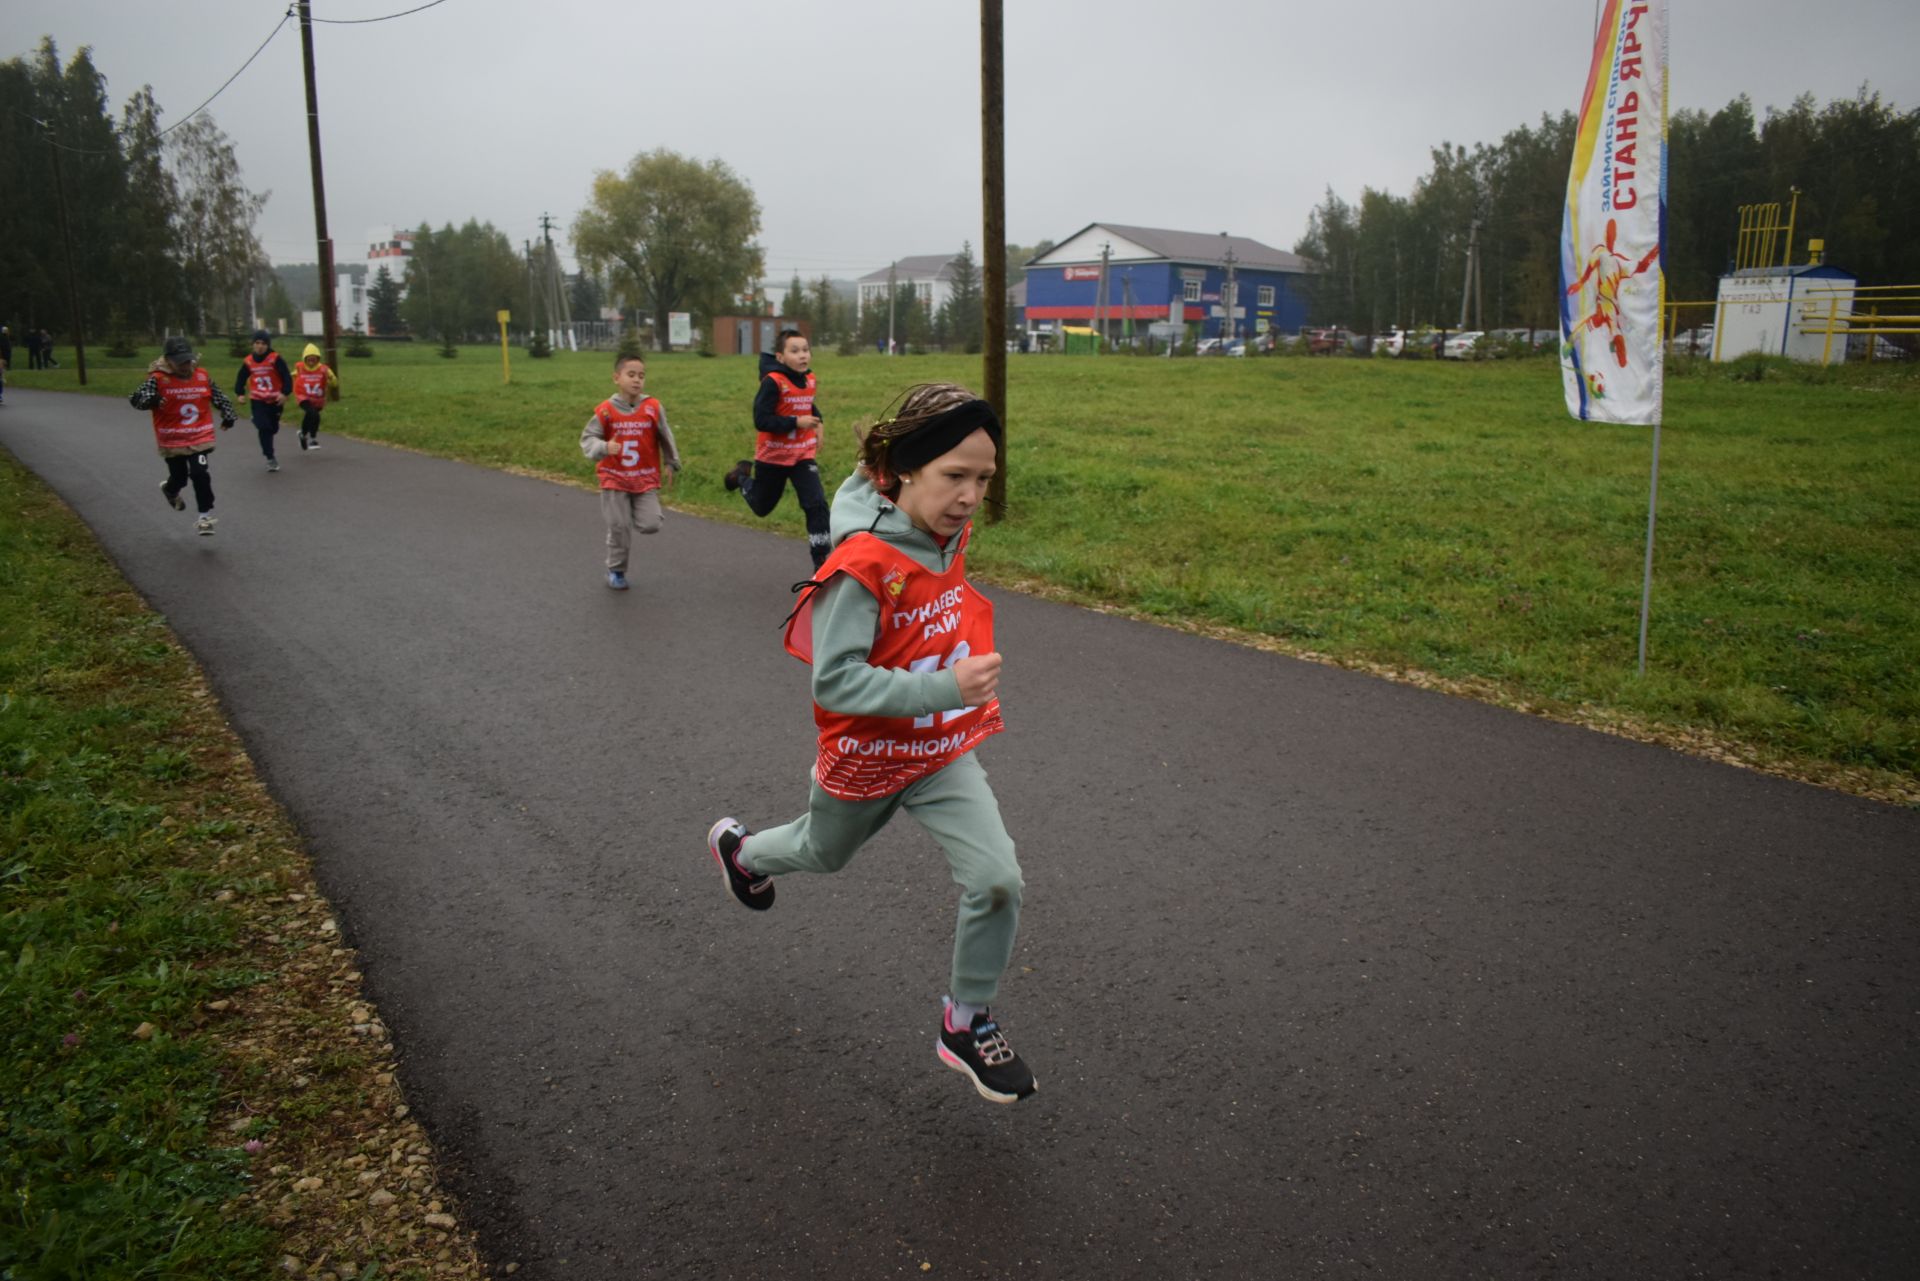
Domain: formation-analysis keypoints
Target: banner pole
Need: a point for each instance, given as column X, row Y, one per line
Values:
column 1646, row 579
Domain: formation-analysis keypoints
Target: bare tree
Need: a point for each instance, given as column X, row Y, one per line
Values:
column 214, row 218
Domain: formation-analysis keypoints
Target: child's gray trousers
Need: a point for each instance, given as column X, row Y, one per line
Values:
column 956, row 807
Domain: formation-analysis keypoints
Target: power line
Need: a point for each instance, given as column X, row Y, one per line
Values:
column 86, row 151
column 230, row 79
column 354, row 22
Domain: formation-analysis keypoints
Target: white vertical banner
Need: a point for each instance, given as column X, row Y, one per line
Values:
column 1612, row 234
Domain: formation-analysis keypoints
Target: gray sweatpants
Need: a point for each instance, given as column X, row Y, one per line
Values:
column 624, row 513
column 955, row 807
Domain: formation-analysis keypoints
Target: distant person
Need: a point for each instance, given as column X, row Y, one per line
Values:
column 311, row 378
column 6, row 359
column 184, row 400
column 788, row 442
column 48, row 360
column 30, row 339
column 629, row 440
column 904, row 687
column 265, row 381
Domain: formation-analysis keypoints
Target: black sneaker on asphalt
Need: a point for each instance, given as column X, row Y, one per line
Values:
column 738, row 477
column 982, row 1052
column 173, row 498
column 723, row 842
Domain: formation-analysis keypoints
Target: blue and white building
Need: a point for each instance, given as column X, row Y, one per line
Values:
column 1158, row 277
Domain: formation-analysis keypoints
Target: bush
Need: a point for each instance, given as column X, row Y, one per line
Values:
column 849, row 347
column 238, row 346
column 538, row 347
column 630, row 344
column 357, row 345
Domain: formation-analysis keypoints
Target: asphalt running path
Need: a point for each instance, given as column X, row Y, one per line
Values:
column 1321, row 975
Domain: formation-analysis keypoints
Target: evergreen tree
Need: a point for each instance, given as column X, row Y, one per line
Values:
column 798, row 305
column 383, row 305
column 962, row 320
column 827, row 318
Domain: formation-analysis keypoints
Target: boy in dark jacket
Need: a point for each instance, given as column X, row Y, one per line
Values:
column 265, row 381
column 788, row 425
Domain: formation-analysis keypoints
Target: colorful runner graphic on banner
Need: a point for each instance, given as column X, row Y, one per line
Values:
column 1613, row 232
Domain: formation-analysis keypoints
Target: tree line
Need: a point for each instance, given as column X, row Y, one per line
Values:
column 158, row 221
column 1402, row 260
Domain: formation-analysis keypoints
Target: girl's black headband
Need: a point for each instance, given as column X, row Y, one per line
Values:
column 940, row 433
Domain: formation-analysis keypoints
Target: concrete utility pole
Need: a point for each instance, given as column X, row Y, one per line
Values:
column 1100, row 299
column 890, row 269
column 1479, row 297
column 329, row 310
column 993, row 200
column 1473, row 256
column 1229, row 330
column 553, row 289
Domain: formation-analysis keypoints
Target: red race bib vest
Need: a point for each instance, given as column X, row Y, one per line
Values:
column 310, row 384
column 928, row 621
column 262, row 382
column 632, row 463
column 184, row 417
column 795, row 401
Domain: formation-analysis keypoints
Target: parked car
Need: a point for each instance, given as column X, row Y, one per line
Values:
column 1238, row 347
column 1325, row 342
column 1460, row 346
column 1883, row 349
column 1505, row 342
column 1207, row 347
column 1424, row 343
column 1697, row 342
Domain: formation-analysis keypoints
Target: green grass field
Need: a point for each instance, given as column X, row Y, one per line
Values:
column 175, row 1050
column 1448, row 518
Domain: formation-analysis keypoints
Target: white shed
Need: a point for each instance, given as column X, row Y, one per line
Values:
column 1784, row 311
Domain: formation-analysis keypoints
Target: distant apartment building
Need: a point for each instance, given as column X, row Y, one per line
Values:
column 931, row 276
column 385, row 247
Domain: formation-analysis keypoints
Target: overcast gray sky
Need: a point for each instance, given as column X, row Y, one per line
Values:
column 857, row 121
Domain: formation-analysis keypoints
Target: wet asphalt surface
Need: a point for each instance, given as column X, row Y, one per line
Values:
column 1321, row 975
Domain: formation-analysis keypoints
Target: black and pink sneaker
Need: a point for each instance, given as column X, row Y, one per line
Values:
column 723, row 842
column 981, row 1051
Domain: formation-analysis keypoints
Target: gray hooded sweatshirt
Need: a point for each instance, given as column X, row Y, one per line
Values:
column 846, row 618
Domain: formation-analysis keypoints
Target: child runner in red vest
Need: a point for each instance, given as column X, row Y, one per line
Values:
column 184, row 400
column 904, row 681
column 311, row 378
column 788, row 423
column 265, row 381
column 629, row 439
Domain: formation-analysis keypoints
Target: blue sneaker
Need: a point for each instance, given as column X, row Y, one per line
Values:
column 616, row 580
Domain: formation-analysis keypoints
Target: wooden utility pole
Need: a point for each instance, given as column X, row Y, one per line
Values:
column 329, row 311
column 993, row 194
